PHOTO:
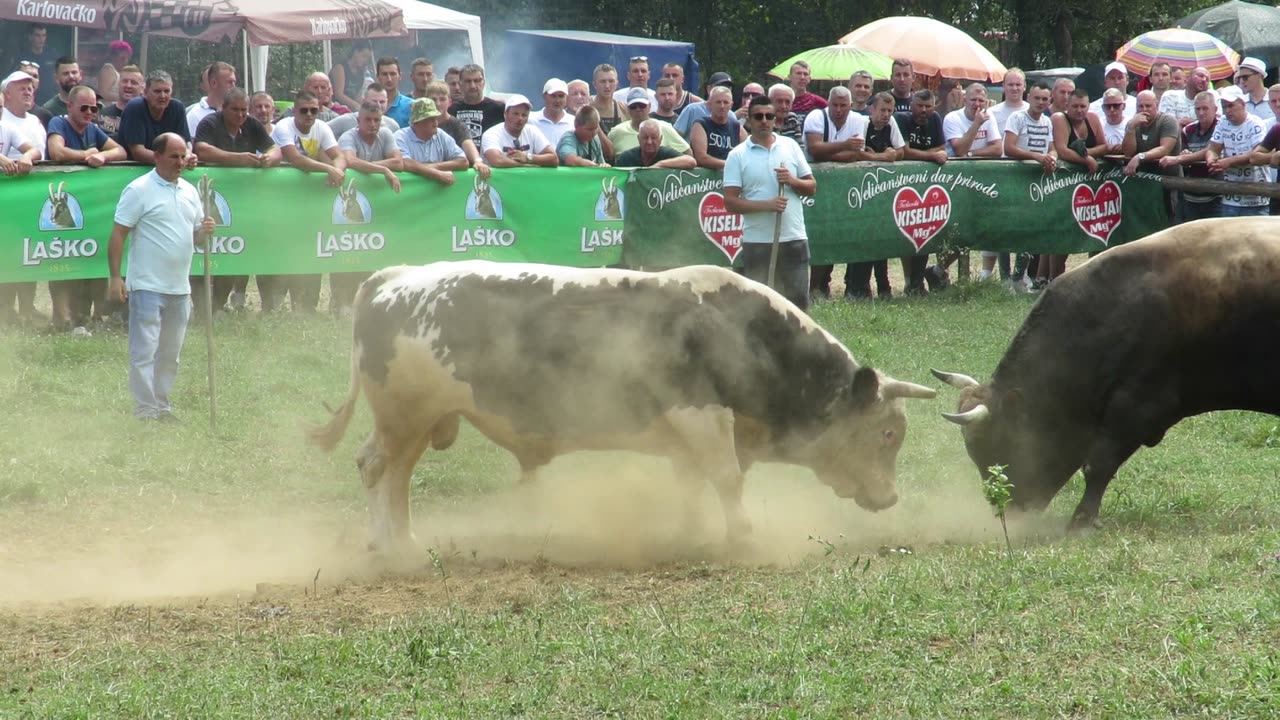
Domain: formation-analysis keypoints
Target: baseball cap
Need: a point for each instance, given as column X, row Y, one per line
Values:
column 14, row 76
column 555, row 85
column 1230, row 94
column 720, row 78
column 637, row 95
column 519, row 99
column 423, row 109
column 1255, row 65
column 1116, row 67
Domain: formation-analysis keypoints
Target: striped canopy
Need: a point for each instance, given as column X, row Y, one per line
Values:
column 1180, row 48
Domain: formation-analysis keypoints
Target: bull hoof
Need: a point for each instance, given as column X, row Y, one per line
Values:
column 1083, row 524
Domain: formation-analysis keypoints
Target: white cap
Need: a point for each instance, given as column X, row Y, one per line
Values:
column 518, row 99
column 1255, row 65
column 637, row 95
column 1230, row 94
column 15, row 76
column 1116, row 67
column 555, row 85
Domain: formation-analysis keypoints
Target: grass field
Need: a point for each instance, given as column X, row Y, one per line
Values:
column 151, row 571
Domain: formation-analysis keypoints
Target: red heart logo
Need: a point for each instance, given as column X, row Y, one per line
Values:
column 1097, row 213
column 921, row 218
column 722, row 228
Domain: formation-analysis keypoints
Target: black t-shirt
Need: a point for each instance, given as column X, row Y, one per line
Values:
column 454, row 129
column 721, row 137
column 879, row 139
column 479, row 117
column 920, row 137
column 109, row 120
column 253, row 136
column 901, row 104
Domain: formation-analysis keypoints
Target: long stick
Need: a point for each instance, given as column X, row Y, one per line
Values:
column 208, row 335
column 773, row 251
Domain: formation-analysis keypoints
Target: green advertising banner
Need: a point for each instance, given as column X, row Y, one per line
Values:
column 867, row 211
column 280, row 221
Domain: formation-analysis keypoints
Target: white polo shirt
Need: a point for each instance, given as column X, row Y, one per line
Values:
column 551, row 129
column 956, row 124
column 751, row 168
column 164, row 217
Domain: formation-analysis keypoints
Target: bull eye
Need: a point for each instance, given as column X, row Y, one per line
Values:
column 889, row 436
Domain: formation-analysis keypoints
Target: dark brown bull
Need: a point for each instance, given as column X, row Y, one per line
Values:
column 1123, row 347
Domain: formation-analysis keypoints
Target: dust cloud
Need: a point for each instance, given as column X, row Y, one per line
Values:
column 587, row 510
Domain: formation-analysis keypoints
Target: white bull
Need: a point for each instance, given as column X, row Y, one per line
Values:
column 697, row 364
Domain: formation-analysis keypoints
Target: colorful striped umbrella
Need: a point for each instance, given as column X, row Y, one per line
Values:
column 1180, row 48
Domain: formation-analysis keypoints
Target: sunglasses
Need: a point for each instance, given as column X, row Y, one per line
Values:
column 751, row 94
column 762, row 116
column 1112, row 106
column 640, row 58
column 92, row 109
column 307, row 111
column 28, row 63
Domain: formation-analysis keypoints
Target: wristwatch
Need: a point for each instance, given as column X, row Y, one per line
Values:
column 1142, row 156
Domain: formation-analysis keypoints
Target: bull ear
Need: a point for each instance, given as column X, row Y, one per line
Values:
column 865, row 387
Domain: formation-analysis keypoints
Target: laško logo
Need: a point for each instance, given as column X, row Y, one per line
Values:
column 60, row 213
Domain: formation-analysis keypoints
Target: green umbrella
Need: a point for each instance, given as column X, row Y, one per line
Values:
column 838, row 62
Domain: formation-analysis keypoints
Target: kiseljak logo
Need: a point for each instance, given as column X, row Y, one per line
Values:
column 609, row 204
column 214, row 204
column 484, row 203
column 351, row 207
column 61, row 211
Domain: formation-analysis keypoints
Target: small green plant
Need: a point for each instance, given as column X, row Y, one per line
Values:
column 997, row 489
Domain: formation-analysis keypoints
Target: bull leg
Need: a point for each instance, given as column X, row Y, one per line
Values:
column 1105, row 458
column 728, row 486
column 386, row 464
column 691, row 485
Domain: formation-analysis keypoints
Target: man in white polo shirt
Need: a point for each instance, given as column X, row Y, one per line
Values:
column 552, row 120
column 163, row 214
column 765, row 176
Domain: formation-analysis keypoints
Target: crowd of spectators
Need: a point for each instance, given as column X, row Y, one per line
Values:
column 357, row 117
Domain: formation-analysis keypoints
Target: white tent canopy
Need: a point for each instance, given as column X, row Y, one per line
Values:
column 425, row 16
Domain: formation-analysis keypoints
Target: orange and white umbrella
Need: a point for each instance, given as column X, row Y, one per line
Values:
column 934, row 48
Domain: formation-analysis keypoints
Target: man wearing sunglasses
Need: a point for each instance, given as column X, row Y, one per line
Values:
column 764, row 178
column 749, row 91
column 76, row 138
column 1114, row 121
column 1251, row 77
column 308, row 145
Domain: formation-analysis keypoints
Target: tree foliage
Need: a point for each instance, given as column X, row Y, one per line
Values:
column 748, row 37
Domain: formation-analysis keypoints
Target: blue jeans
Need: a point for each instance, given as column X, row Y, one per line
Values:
column 157, row 326
column 1238, row 211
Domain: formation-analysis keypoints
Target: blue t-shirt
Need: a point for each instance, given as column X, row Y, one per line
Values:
column 92, row 137
column 138, row 128
column 398, row 109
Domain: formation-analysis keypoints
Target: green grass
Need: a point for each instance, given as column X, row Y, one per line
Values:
column 153, row 572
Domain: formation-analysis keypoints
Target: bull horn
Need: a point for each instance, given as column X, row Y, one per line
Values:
column 899, row 388
column 956, row 380
column 969, row 417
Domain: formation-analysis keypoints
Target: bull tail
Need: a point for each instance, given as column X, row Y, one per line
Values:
column 327, row 436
